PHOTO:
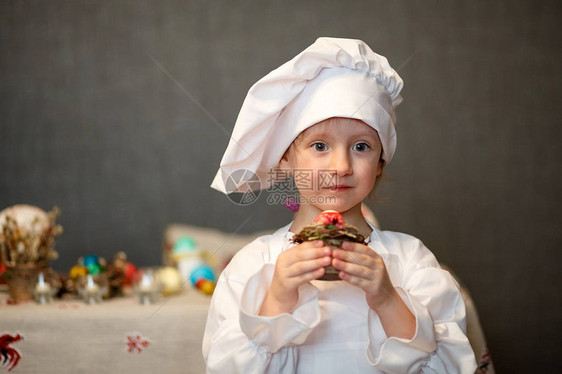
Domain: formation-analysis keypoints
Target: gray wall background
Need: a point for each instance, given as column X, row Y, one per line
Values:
column 95, row 117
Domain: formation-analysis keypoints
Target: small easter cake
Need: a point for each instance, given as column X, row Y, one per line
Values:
column 331, row 229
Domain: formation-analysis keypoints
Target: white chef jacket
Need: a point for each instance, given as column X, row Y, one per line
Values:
column 332, row 329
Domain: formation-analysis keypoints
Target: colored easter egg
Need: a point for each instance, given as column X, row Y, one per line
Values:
column 202, row 272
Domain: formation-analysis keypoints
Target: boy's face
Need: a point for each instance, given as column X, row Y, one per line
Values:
column 335, row 163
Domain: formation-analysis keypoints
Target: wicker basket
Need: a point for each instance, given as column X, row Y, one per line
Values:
column 21, row 281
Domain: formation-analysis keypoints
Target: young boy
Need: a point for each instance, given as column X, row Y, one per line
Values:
column 330, row 110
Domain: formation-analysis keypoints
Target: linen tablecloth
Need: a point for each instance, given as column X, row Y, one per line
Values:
column 116, row 336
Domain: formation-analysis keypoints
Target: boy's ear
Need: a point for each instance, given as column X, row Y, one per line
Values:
column 284, row 162
column 380, row 168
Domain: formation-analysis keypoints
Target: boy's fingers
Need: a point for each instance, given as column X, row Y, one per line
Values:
column 354, row 257
column 311, row 251
column 303, row 267
column 353, row 267
column 312, row 275
column 352, row 279
column 357, row 247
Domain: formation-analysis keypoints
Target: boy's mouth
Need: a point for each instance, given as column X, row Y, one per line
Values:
column 338, row 187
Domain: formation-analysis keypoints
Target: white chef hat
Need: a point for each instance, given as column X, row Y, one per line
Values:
column 331, row 78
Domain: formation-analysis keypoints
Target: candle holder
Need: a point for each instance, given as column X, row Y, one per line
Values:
column 91, row 292
column 44, row 292
column 148, row 287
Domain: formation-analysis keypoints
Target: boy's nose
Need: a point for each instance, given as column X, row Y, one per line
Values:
column 341, row 163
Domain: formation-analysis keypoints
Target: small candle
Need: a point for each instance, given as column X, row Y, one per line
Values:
column 147, row 289
column 91, row 292
column 147, row 282
column 91, row 286
column 42, row 291
column 41, row 285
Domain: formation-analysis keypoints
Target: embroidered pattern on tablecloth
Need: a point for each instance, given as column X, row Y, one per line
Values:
column 10, row 356
column 136, row 342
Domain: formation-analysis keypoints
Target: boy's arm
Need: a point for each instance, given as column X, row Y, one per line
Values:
column 237, row 339
column 396, row 319
column 439, row 343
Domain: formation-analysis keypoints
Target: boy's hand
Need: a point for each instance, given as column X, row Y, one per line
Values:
column 294, row 267
column 360, row 266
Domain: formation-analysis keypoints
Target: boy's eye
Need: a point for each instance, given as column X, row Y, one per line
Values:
column 319, row 146
column 361, row 147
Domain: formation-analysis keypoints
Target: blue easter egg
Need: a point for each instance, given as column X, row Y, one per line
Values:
column 202, row 272
column 90, row 260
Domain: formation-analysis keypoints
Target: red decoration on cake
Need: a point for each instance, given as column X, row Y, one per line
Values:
column 330, row 217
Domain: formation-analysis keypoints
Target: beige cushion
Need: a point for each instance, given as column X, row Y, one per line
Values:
column 217, row 247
